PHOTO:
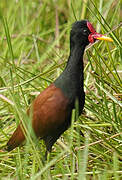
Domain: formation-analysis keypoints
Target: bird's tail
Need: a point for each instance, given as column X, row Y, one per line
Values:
column 16, row 139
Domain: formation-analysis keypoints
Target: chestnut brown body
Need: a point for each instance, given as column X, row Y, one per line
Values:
column 49, row 116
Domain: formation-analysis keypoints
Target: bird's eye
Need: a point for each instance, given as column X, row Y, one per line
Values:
column 85, row 30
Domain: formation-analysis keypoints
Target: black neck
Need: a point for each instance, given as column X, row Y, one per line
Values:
column 71, row 80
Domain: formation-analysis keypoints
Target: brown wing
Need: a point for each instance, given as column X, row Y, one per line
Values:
column 49, row 111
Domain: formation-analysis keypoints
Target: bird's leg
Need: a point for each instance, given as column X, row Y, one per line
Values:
column 49, row 141
column 47, row 153
column 48, row 156
column 81, row 133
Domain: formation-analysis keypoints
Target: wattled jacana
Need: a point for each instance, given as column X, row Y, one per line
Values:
column 52, row 108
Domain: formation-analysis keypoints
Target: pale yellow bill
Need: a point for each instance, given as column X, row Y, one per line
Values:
column 105, row 38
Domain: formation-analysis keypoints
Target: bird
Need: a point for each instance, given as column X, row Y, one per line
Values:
column 51, row 110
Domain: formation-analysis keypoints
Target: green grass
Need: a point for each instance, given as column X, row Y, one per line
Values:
column 34, row 46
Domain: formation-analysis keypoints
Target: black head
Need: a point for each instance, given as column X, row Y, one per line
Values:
column 79, row 33
column 83, row 33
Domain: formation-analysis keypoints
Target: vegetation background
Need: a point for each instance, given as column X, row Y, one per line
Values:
column 34, row 47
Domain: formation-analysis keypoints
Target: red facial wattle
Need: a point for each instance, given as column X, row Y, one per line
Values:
column 94, row 35
column 91, row 28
